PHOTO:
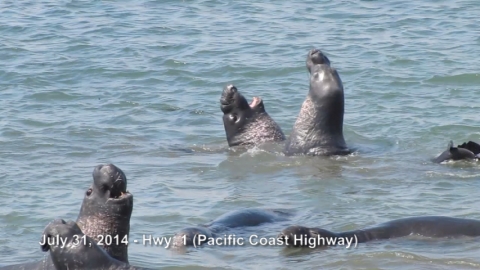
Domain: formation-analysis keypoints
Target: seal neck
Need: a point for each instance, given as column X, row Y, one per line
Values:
column 101, row 227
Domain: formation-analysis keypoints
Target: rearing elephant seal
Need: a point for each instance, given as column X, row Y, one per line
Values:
column 106, row 210
column 428, row 226
column 247, row 124
column 104, row 215
column 318, row 129
column 70, row 248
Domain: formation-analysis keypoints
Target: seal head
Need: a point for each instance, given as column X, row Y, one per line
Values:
column 299, row 236
column 71, row 249
column 244, row 123
column 316, row 57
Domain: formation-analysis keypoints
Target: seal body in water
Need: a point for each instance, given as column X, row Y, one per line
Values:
column 247, row 124
column 104, row 215
column 196, row 236
column 318, row 130
column 469, row 151
column 70, row 248
column 428, row 226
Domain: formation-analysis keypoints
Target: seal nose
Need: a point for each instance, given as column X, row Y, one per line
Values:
column 182, row 239
column 227, row 96
column 47, row 233
column 231, row 88
column 287, row 238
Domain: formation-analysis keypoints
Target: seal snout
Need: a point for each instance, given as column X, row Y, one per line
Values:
column 314, row 51
column 184, row 239
column 228, row 98
column 231, row 88
column 317, row 57
column 228, row 94
column 110, row 181
column 291, row 233
column 193, row 236
column 56, row 228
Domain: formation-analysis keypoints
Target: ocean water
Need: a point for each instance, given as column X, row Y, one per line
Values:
column 138, row 83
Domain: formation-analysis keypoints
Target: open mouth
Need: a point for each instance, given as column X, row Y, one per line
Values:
column 255, row 102
column 118, row 189
column 120, row 196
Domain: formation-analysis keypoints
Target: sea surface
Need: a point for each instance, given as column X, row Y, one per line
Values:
column 138, row 83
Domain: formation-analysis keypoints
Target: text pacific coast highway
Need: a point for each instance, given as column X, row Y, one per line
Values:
column 226, row 240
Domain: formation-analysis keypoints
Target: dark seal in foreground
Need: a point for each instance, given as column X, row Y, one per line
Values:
column 318, row 130
column 104, row 215
column 466, row 151
column 247, row 124
column 428, row 226
column 70, row 248
column 199, row 235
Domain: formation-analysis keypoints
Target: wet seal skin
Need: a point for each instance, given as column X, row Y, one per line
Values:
column 318, row 130
column 70, row 248
column 428, row 226
column 247, row 124
column 466, row 151
column 202, row 234
column 104, row 215
column 106, row 210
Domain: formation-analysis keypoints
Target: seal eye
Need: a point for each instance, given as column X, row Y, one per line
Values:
column 89, row 192
column 233, row 117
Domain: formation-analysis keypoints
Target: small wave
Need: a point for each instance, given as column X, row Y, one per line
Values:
column 463, row 79
column 463, row 176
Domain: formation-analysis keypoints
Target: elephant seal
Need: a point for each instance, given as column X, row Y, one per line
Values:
column 106, row 210
column 196, row 236
column 70, row 248
column 318, row 130
column 469, row 150
column 247, row 124
column 428, row 226
column 104, row 215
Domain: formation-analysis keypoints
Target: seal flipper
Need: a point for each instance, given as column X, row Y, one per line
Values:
column 445, row 155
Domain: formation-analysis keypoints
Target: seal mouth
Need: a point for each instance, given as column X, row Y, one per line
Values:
column 255, row 102
column 123, row 199
column 118, row 190
column 119, row 196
